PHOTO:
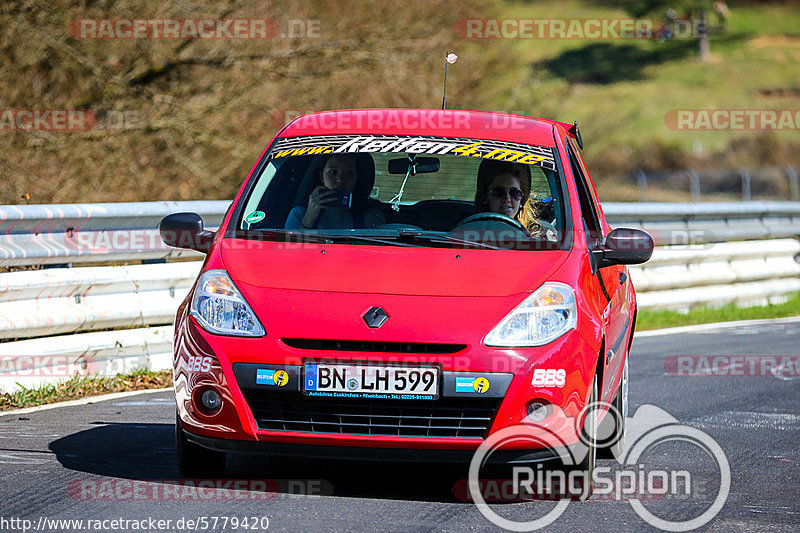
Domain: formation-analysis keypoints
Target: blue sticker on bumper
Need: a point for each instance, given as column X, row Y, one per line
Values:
column 465, row 384
column 265, row 377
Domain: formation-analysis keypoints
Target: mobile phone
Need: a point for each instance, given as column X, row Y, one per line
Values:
column 343, row 199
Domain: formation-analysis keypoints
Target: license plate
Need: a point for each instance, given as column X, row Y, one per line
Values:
column 371, row 381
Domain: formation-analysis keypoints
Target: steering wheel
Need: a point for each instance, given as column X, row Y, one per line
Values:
column 548, row 228
column 488, row 216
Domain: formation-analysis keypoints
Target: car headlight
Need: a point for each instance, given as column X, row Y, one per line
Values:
column 220, row 308
column 542, row 317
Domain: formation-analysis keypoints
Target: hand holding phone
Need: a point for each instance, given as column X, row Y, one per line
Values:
column 341, row 199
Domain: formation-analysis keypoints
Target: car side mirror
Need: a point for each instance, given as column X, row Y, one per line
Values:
column 185, row 230
column 625, row 246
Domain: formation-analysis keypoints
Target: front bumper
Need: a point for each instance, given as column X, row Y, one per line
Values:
column 350, row 453
column 253, row 413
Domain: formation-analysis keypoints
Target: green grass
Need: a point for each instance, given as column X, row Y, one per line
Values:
column 82, row 386
column 620, row 90
column 651, row 319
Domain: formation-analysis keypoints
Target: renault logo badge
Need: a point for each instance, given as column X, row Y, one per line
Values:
column 375, row 317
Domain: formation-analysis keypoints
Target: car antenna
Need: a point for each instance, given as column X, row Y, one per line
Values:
column 449, row 59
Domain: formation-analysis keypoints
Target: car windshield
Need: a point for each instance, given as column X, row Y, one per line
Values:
column 406, row 191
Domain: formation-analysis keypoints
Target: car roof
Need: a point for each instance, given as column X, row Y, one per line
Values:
column 428, row 122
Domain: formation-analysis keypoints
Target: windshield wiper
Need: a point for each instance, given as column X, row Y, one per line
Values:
column 301, row 236
column 408, row 238
column 413, row 238
column 383, row 239
column 443, row 238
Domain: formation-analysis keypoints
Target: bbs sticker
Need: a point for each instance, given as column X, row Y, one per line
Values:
column 199, row 363
column 549, row 377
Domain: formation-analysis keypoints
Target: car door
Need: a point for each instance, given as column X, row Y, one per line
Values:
column 612, row 280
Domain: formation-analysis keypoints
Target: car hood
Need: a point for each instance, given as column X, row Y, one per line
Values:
column 397, row 270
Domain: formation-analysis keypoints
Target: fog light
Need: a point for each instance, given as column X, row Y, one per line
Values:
column 538, row 411
column 211, row 400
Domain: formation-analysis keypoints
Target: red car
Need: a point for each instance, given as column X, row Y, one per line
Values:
column 401, row 284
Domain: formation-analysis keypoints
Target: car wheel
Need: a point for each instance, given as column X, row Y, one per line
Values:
column 587, row 448
column 194, row 460
column 612, row 428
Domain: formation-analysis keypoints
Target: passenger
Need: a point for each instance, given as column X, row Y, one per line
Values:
column 505, row 188
column 338, row 175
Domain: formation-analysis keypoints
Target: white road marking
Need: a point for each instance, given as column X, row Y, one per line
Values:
column 17, row 458
column 82, row 401
column 750, row 420
column 146, row 402
column 709, row 328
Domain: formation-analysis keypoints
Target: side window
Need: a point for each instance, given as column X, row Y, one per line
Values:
column 591, row 220
column 585, row 173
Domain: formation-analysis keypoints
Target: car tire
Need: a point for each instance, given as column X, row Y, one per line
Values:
column 612, row 427
column 194, row 460
column 588, row 441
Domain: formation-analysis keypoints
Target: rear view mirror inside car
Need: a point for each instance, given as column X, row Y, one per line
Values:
column 419, row 164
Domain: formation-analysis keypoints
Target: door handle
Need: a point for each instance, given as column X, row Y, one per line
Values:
column 623, row 277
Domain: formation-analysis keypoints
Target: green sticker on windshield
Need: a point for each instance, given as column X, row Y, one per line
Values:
column 255, row 216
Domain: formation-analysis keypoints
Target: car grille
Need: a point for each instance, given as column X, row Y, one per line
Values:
column 445, row 417
column 372, row 346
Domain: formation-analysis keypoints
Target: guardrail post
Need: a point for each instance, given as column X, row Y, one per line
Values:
column 791, row 173
column 694, row 185
column 745, row 184
column 641, row 180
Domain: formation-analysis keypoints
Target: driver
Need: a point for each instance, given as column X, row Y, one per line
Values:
column 505, row 188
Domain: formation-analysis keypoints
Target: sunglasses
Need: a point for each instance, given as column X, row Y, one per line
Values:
column 500, row 192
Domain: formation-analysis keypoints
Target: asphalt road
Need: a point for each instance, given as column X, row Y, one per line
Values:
column 115, row 460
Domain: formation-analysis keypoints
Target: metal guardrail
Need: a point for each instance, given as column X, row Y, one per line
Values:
column 85, row 233
column 747, row 273
column 678, row 224
column 50, row 318
column 33, row 362
column 35, row 303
